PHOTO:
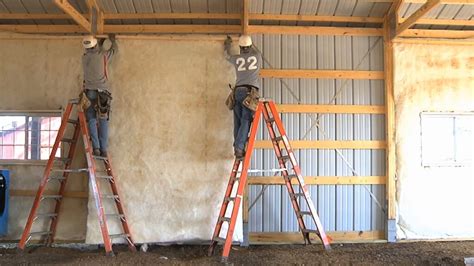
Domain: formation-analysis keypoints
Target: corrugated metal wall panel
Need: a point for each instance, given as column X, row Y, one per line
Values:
column 341, row 207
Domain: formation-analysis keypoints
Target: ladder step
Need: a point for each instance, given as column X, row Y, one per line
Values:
column 280, row 138
column 74, row 100
column 79, row 170
column 59, row 178
column 236, row 178
column 40, row 233
column 285, row 158
column 56, row 197
column 64, row 160
column 304, row 213
column 50, row 215
column 100, row 158
column 72, row 121
column 229, row 199
column 67, row 140
column 105, row 177
column 271, row 120
column 291, row 176
column 219, row 239
column 224, row 219
column 299, row 194
column 115, row 215
column 118, row 236
column 110, row 196
column 310, row 231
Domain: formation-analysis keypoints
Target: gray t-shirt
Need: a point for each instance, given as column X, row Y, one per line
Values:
column 94, row 64
column 247, row 66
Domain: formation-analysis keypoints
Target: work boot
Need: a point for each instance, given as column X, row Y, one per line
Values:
column 96, row 152
column 103, row 153
column 239, row 154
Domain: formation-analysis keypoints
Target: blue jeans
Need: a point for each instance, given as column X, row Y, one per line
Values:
column 242, row 119
column 99, row 135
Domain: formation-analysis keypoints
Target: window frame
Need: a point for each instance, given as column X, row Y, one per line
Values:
column 452, row 163
column 27, row 114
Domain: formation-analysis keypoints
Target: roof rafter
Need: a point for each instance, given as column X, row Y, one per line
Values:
column 65, row 6
column 423, row 10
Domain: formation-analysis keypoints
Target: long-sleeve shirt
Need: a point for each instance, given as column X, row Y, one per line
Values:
column 247, row 66
column 94, row 63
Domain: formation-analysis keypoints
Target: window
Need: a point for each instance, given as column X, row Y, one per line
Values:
column 28, row 136
column 447, row 139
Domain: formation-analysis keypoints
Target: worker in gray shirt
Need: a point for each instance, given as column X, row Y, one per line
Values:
column 247, row 66
column 96, row 88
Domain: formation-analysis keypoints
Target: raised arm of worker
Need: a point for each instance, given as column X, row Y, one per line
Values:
column 109, row 54
column 227, row 47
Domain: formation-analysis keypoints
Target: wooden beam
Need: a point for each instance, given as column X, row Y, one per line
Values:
column 32, row 193
column 65, row 6
column 313, row 30
column 390, row 160
column 447, row 22
column 172, row 16
column 297, row 238
column 95, row 9
column 320, row 74
column 43, row 28
column 448, row 34
column 245, row 16
column 326, row 144
column 313, row 18
column 331, row 109
column 33, row 16
column 444, row 2
column 423, row 10
column 223, row 29
column 468, row 42
column 319, row 180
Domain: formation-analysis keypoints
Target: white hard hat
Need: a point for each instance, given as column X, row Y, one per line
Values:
column 89, row 41
column 245, row 40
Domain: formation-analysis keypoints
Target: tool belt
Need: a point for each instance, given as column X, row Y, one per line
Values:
column 104, row 100
column 251, row 101
column 101, row 104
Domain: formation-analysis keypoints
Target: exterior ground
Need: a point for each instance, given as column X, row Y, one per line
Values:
column 416, row 253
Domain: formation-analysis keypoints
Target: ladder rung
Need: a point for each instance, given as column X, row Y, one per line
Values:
column 59, row 178
column 304, row 213
column 291, row 176
column 105, row 177
column 64, row 160
column 71, row 170
column 50, row 215
column 310, row 231
column 280, row 138
column 56, row 197
column 74, row 100
column 110, row 196
column 224, row 219
column 285, row 158
column 72, row 121
column 229, row 198
column 271, row 119
column 219, row 239
column 118, row 236
column 100, row 157
column 67, row 140
column 299, row 194
column 115, row 215
column 40, row 233
column 236, row 178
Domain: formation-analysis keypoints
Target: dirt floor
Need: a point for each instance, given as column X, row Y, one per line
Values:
column 419, row 253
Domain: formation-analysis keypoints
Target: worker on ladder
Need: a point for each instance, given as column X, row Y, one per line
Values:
column 244, row 97
column 96, row 90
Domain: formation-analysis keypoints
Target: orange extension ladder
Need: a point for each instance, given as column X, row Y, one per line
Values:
column 80, row 126
column 284, row 153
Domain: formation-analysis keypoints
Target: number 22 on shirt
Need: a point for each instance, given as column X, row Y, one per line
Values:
column 251, row 63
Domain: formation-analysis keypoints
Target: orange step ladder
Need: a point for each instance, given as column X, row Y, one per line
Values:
column 284, row 153
column 61, row 175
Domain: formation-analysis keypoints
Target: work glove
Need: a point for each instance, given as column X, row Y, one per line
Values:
column 228, row 41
